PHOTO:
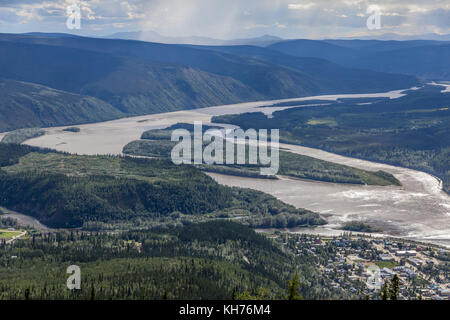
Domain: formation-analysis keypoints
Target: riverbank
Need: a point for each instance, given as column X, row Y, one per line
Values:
column 418, row 210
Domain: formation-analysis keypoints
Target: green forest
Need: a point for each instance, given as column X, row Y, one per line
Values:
column 71, row 191
column 212, row 260
column 157, row 144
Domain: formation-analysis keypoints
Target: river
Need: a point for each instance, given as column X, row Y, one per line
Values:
column 419, row 210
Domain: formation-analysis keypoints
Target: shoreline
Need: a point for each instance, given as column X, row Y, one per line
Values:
column 341, row 200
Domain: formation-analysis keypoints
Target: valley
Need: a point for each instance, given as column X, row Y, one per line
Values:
column 418, row 210
column 355, row 206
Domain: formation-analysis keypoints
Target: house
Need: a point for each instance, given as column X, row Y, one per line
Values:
column 399, row 269
column 444, row 292
column 415, row 262
column 426, row 293
column 408, row 273
column 387, row 273
column 406, row 253
column 386, row 257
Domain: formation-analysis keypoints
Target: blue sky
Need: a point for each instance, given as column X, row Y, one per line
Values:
column 227, row 19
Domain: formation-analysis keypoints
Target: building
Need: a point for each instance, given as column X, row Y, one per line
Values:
column 406, row 253
column 386, row 257
column 415, row 262
column 386, row 273
column 444, row 292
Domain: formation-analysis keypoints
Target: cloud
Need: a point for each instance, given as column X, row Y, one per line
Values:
column 228, row 19
column 300, row 6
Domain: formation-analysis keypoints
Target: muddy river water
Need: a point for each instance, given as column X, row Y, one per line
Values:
column 419, row 209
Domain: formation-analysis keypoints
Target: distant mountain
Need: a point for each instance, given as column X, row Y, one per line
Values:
column 423, row 58
column 316, row 49
column 138, row 77
column 330, row 77
column 430, row 62
column 151, row 36
column 25, row 104
column 51, row 35
column 400, row 37
column 383, row 46
column 268, row 72
column 133, row 86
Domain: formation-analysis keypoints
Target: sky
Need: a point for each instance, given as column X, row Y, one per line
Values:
column 229, row 19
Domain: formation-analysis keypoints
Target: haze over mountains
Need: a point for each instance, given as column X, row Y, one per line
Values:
column 423, row 58
column 265, row 40
column 402, row 37
column 152, row 36
column 116, row 78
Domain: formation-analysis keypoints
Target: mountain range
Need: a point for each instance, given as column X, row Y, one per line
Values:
column 117, row 78
column 152, row 36
column 264, row 40
column 425, row 59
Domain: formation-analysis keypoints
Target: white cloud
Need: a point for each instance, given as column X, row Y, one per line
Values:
column 230, row 18
column 300, row 6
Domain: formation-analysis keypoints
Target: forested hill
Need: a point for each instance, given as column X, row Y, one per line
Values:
column 69, row 191
column 138, row 78
column 157, row 143
column 25, row 104
column 213, row 260
column 422, row 58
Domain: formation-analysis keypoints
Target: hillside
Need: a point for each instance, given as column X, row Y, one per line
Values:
column 25, row 104
column 330, row 77
column 141, row 78
column 267, row 71
column 70, row 191
column 268, row 80
column 425, row 59
column 213, row 260
column 131, row 85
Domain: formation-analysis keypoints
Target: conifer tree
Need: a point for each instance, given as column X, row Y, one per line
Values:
column 293, row 287
column 394, row 289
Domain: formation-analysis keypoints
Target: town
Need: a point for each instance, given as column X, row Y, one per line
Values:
column 348, row 262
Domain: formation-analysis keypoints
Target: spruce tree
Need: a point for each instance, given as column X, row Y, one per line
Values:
column 394, row 289
column 293, row 287
column 384, row 292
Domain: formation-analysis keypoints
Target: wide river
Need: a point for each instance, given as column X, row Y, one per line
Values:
column 418, row 210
